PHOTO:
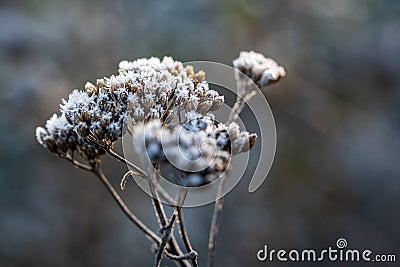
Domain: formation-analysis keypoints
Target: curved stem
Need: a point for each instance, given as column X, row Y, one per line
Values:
column 173, row 254
column 185, row 237
column 212, row 242
column 160, row 213
column 245, row 92
column 147, row 232
column 79, row 165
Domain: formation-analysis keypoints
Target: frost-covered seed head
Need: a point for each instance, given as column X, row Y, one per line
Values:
column 143, row 89
column 193, row 154
column 59, row 137
column 263, row 71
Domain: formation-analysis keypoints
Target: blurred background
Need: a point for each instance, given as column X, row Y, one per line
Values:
column 336, row 171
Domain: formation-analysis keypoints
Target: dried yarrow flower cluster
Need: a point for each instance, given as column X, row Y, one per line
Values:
column 195, row 153
column 144, row 89
column 59, row 137
column 98, row 115
column 263, row 71
column 153, row 92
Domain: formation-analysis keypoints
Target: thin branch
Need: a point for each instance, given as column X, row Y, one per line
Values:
column 164, row 194
column 160, row 213
column 233, row 114
column 160, row 190
column 124, row 160
column 173, row 246
column 124, row 179
column 99, row 173
column 147, row 232
column 170, row 250
column 91, row 137
column 245, row 91
column 185, row 237
column 167, row 230
column 186, row 256
column 162, row 218
column 212, row 242
column 79, row 165
column 242, row 104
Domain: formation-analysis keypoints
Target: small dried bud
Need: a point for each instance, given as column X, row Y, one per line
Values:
column 244, row 142
column 200, row 76
column 100, row 83
column 189, row 71
column 90, row 89
column 263, row 71
column 204, row 106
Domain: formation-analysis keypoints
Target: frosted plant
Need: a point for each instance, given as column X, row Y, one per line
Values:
column 262, row 71
column 144, row 89
column 59, row 137
column 170, row 108
column 195, row 153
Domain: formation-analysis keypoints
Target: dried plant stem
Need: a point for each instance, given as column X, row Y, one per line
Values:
column 160, row 190
column 124, row 160
column 162, row 219
column 79, row 165
column 167, row 231
column 158, row 207
column 170, row 253
column 160, row 213
column 147, row 232
column 107, row 148
column 212, row 242
column 185, row 256
column 245, row 93
column 185, row 237
column 182, row 228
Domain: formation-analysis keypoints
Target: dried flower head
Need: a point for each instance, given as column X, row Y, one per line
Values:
column 193, row 154
column 263, row 71
column 60, row 138
column 98, row 114
column 144, row 89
